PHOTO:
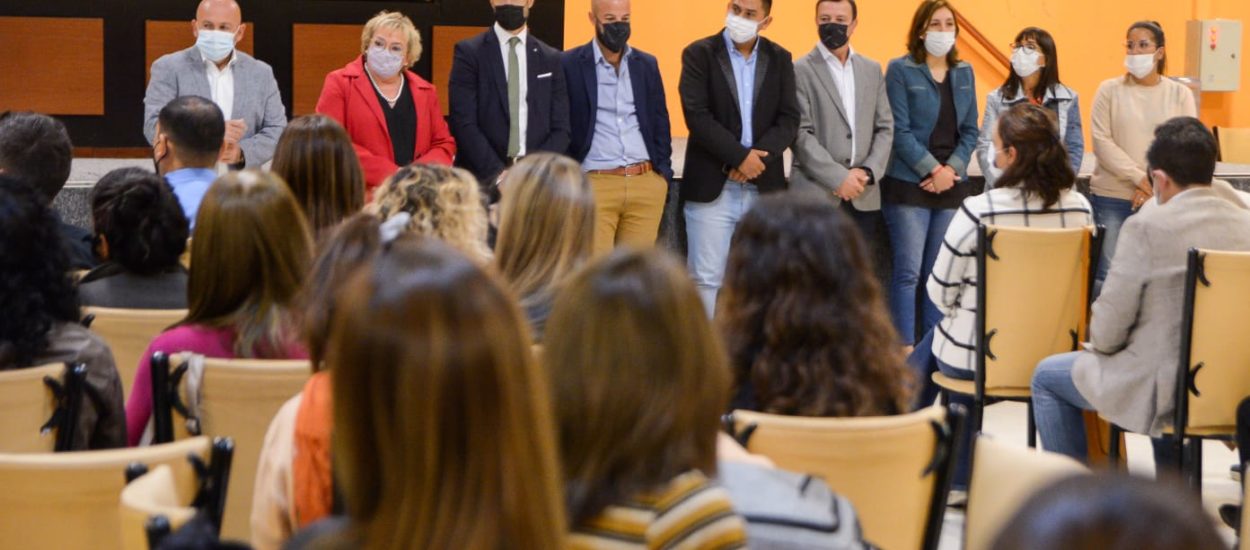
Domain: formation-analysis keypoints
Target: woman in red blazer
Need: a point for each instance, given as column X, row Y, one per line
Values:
column 391, row 114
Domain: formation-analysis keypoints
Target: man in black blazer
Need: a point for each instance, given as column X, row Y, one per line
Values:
column 738, row 94
column 621, row 131
column 507, row 94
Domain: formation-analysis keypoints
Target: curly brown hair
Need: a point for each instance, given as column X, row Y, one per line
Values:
column 444, row 202
column 804, row 318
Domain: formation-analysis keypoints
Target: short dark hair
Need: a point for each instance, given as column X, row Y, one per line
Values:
column 768, row 6
column 36, row 148
column 140, row 218
column 196, row 126
column 854, row 7
column 1185, row 150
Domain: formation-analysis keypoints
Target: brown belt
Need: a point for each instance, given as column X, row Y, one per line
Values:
column 630, row 171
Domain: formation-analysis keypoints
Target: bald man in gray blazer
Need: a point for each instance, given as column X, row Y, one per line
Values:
column 846, row 128
column 241, row 86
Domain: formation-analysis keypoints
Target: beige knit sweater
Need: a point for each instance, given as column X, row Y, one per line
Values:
column 1122, row 124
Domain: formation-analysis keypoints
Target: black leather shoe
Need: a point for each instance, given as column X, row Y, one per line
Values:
column 1231, row 514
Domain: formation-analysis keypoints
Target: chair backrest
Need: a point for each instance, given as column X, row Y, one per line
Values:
column 151, row 495
column 29, row 402
column 237, row 399
column 70, row 500
column 895, row 469
column 1234, row 144
column 1033, row 294
column 128, row 333
column 1215, row 373
column 1003, row 479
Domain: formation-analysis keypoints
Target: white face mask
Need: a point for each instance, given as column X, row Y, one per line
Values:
column 1140, row 65
column 215, row 45
column 939, row 44
column 1025, row 62
column 383, row 62
column 741, row 29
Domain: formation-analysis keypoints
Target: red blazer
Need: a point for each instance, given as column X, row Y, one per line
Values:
column 349, row 98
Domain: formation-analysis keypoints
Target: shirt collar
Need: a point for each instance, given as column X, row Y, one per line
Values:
column 190, row 174
column 733, row 48
column 830, row 58
column 503, row 35
column 599, row 59
column 234, row 58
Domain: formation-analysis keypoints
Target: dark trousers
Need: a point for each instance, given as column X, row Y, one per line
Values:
column 872, row 227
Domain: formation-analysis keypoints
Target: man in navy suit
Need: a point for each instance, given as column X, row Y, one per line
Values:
column 507, row 94
column 621, row 130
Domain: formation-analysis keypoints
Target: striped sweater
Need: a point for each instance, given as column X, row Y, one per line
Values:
column 952, row 284
column 691, row 512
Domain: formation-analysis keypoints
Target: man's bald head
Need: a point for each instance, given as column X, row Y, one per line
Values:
column 221, row 15
column 603, row 6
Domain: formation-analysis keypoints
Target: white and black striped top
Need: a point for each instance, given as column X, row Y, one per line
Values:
column 952, row 284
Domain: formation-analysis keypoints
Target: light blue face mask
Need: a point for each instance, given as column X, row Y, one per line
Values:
column 215, row 45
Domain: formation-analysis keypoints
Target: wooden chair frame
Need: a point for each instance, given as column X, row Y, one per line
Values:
column 210, row 499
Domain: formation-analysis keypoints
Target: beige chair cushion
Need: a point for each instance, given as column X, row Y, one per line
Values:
column 1234, row 145
column 1035, row 298
column 239, row 397
column 876, row 462
column 1218, row 339
column 25, row 405
column 1004, row 477
column 128, row 333
column 70, row 500
column 969, row 387
column 152, row 494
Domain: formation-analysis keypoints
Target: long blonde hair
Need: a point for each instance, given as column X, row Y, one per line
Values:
column 444, row 202
column 252, row 248
column 444, row 436
column 546, row 225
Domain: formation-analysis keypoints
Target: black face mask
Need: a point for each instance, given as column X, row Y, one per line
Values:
column 613, row 36
column 834, row 35
column 510, row 17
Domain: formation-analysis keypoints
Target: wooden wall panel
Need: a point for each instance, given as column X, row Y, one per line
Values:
column 443, row 51
column 162, row 37
column 52, row 65
column 316, row 50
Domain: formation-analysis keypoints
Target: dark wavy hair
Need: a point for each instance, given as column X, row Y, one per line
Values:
column 35, row 285
column 139, row 217
column 1041, row 167
column 1049, row 76
column 803, row 316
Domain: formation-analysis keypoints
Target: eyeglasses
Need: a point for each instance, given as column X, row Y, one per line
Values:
column 1025, row 45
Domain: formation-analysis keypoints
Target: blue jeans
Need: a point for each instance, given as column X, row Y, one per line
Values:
column 709, row 229
column 1058, row 411
column 916, row 235
column 1109, row 213
column 924, row 363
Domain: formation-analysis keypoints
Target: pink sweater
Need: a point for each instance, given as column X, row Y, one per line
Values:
column 212, row 342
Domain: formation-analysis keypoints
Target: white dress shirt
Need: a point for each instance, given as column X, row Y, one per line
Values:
column 522, row 64
column 221, row 85
column 844, row 79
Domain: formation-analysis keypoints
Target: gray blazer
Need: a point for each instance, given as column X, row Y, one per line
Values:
column 1130, row 374
column 256, row 98
column 823, row 149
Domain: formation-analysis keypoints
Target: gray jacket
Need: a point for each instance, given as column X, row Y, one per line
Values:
column 256, row 98
column 1061, row 99
column 1130, row 374
column 822, row 152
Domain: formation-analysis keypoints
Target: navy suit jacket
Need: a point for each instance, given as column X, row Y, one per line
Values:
column 649, row 102
column 478, row 94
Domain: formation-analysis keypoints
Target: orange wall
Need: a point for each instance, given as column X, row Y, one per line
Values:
column 1089, row 34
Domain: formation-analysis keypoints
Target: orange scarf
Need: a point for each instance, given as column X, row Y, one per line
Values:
column 311, row 471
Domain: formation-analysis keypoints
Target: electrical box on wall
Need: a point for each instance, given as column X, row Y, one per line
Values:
column 1213, row 54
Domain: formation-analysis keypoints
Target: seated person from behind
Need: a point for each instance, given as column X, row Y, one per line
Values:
column 1129, row 373
column 35, row 148
column 140, row 233
column 40, row 321
column 189, row 133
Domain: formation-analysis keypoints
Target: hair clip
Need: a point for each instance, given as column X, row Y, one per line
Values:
column 393, row 227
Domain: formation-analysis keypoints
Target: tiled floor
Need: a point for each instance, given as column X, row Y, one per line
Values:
column 1007, row 422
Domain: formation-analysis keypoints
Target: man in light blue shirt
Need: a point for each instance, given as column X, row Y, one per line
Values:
column 744, row 78
column 189, row 133
column 621, row 132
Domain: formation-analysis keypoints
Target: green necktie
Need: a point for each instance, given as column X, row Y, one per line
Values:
column 514, row 99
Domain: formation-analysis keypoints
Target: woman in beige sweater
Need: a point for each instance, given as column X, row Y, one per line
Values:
column 1126, row 111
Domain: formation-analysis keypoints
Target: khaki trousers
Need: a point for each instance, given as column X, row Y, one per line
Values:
column 627, row 210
